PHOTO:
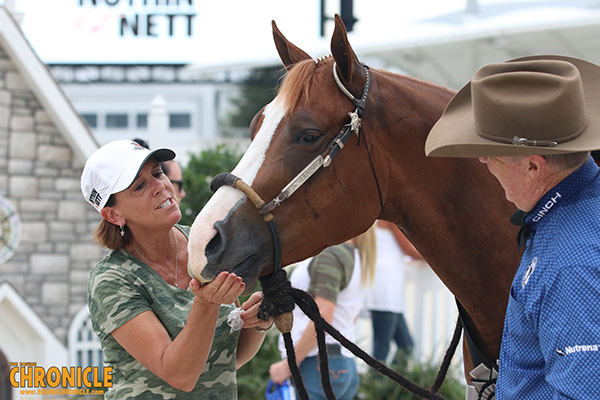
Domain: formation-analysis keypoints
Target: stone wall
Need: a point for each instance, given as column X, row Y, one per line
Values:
column 40, row 177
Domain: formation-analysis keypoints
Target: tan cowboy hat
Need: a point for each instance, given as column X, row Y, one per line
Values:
column 535, row 105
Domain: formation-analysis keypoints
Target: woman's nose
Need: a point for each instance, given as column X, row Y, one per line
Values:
column 158, row 186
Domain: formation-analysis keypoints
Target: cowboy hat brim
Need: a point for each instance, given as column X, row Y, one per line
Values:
column 454, row 134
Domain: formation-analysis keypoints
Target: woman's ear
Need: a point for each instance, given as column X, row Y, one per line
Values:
column 110, row 214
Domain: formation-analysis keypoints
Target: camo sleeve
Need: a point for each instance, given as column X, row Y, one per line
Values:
column 330, row 271
column 114, row 299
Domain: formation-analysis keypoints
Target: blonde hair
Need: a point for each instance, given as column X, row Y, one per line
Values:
column 367, row 250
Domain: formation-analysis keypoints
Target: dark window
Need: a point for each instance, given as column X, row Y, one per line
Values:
column 180, row 121
column 116, row 121
column 91, row 120
column 142, row 120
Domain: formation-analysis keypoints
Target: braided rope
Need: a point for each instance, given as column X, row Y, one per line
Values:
column 279, row 292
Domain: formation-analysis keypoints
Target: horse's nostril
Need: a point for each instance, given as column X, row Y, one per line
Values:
column 213, row 248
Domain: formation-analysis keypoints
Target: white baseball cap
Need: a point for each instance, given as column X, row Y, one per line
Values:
column 113, row 168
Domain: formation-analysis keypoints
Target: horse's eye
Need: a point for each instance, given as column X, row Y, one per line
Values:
column 309, row 137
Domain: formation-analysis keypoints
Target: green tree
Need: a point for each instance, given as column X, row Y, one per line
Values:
column 198, row 174
column 257, row 90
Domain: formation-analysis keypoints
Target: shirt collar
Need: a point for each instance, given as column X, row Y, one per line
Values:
column 562, row 192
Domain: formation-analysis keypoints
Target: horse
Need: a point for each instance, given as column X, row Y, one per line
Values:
column 452, row 210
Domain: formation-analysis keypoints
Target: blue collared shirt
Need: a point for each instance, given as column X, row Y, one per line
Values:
column 551, row 341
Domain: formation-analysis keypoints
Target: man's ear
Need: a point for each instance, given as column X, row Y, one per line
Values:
column 536, row 164
column 111, row 215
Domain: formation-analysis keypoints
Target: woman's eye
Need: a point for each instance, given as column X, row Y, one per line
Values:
column 140, row 186
column 309, row 137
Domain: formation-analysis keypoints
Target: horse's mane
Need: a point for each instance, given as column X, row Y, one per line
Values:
column 295, row 85
column 294, row 89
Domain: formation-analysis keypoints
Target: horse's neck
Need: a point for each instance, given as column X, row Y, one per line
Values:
column 461, row 227
column 453, row 211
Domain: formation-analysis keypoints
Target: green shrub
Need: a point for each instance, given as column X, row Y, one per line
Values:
column 376, row 386
column 198, row 174
column 253, row 377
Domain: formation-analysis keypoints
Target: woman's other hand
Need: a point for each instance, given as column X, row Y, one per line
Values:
column 250, row 314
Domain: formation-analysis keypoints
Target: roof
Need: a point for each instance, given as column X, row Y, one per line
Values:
column 449, row 48
column 452, row 48
column 47, row 91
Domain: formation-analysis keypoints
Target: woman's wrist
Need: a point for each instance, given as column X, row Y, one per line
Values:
column 257, row 329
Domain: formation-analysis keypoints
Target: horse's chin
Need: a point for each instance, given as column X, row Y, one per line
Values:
column 248, row 270
column 250, row 287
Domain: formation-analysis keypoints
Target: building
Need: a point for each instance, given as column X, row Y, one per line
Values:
column 119, row 101
column 46, row 249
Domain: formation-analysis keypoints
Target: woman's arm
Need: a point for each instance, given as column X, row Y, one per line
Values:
column 280, row 371
column 181, row 361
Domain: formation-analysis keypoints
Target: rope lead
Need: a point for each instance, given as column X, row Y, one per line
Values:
column 279, row 301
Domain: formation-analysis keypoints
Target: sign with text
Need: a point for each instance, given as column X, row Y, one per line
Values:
column 160, row 31
column 111, row 31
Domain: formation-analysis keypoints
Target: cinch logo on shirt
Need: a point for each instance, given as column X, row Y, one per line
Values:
column 546, row 207
column 577, row 349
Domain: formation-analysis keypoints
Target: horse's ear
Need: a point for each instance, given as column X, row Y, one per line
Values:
column 345, row 58
column 288, row 52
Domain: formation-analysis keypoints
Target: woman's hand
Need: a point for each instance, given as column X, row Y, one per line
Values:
column 280, row 371
column 250, row 314
column 224, row 289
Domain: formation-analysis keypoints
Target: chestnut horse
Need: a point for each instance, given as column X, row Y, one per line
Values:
column 452, row 210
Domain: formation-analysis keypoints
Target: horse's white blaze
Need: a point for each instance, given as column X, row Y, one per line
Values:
column 221, row 203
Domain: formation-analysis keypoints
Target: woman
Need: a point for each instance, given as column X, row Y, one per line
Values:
column 385, row 300
column 164, row 341
column 337, row 278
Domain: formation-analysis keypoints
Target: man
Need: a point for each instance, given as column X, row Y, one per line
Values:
column 533, row 121
column 172, row 169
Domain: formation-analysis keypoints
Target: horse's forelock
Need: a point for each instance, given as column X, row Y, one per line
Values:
column 295, row 86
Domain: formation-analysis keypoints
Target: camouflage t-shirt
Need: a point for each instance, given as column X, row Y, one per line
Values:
column 330, row 271
column 121, row 287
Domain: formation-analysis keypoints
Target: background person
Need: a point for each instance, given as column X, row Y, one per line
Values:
column 385, row 299
column 164, row 340
column 337, row 278
column 533, row 122
column 173, row 171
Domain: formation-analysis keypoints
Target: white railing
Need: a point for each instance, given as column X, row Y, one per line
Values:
column 430, row 315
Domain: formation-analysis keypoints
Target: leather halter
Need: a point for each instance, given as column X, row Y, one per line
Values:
column 324, row 159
